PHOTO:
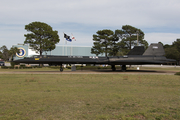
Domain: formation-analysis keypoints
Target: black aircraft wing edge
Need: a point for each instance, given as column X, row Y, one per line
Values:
column 153, row 55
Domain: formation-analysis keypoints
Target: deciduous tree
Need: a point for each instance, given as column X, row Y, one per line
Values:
column 172, row 53
column 177, row 44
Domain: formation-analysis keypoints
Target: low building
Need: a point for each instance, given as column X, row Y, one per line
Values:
column 27, row 51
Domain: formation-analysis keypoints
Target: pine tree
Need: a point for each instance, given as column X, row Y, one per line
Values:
column 42, row 37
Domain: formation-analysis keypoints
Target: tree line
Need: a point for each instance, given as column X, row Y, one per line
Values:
column 173, row 51
column 119, row 42
column 6, row 54
column 41, row 37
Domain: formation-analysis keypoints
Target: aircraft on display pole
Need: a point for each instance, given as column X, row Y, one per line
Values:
column 153, row 55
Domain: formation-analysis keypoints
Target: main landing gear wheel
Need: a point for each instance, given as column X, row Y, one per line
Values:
column 61, row 68
column 113, row 67
column 123, row 68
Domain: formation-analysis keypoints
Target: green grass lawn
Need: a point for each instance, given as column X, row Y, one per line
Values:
column 92, row 97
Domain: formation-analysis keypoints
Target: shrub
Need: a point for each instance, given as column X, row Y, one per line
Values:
column 4, row 67
column 178, row 73
column 22, row 66
column 91, row 67
column 12, row 64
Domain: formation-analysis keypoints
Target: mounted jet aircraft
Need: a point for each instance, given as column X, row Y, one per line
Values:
column 153, row 55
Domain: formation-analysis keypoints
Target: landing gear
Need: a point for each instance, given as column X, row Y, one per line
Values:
column 113, row 67
column 123, row 68
column 61, row 68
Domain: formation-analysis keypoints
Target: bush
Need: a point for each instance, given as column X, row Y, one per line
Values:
column 4, row 67
column 68, row 67
column 178, row 73
column 54, row 67
column 12, row 64
column 11, row 67
column 91, row 67
column 22, row 66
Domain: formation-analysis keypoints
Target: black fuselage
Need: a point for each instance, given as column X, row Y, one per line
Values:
column 119, row 60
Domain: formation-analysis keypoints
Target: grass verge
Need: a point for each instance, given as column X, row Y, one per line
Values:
column 44, row 97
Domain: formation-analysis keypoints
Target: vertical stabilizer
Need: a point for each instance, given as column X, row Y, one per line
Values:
column 155, row 49
column 137, row 50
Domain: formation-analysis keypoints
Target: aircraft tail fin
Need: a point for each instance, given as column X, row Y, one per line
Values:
column 155, row 49
column 137, row 50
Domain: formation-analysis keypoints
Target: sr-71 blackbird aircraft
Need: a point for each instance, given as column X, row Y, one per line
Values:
column 153, row 55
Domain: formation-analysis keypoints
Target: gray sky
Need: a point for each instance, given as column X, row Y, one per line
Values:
column 158, row 19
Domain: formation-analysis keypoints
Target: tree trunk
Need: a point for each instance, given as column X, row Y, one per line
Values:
column 40, row 56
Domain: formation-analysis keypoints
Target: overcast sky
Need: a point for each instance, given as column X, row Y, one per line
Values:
column 158, row 19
